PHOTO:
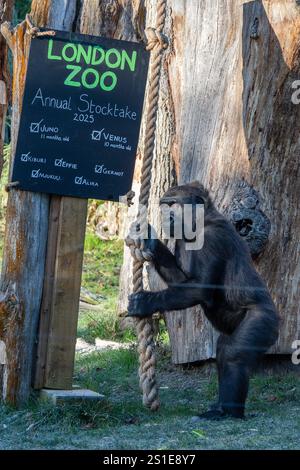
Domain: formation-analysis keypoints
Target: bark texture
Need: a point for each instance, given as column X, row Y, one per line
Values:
column 226, row 116
column 24, row 247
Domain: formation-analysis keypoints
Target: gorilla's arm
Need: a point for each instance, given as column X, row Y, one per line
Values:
column 164, row 261
column 183, row 293
column 165, row 264
column 180, row 297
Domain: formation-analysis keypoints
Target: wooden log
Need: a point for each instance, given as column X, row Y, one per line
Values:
column 24, row 247
column 12, row 322
column 235, row 119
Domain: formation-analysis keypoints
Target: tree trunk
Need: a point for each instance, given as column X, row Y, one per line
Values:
column 26, row 231
column 6, row 8
column 24, row 246
column 226, row 116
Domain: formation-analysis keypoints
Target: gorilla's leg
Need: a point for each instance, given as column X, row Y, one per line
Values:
column 233, row 375
column 237, row 355
column 233, row 384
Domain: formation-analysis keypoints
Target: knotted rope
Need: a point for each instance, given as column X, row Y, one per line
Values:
column 34, row 31
column 156, row 43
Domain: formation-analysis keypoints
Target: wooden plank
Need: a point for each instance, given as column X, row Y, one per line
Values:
column 64, row 397
column 46, row 307
column 60, row 349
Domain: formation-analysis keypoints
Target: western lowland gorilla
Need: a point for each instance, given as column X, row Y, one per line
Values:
column 221, row 278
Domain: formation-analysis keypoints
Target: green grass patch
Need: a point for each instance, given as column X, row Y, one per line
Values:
column 268, row 390
column 101, row 271
column 121, row 421
column 102, row 264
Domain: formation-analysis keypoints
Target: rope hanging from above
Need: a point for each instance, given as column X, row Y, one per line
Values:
column 156, row 42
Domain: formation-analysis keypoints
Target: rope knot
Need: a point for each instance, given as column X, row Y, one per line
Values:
column 154, row 39
column 34, row 31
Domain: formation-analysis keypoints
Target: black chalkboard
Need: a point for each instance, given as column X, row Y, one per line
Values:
column 81, row 116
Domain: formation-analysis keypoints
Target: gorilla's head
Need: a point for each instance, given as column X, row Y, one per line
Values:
column 191, row 193
column 179, row 201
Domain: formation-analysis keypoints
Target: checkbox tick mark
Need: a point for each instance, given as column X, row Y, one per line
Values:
column 35, row 126
column 96, row 135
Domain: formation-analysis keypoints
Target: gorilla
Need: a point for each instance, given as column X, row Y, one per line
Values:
column 221, row 278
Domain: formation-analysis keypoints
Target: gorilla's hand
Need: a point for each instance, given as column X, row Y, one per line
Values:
column 148, row 246
column 141, row 304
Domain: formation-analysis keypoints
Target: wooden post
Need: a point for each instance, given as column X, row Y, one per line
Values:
column 23, row 254
column 66, row 294
column 45, row 314
column 59, row 313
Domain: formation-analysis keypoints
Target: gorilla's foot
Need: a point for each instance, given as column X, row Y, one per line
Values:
column 217, row 414
column 213, row 415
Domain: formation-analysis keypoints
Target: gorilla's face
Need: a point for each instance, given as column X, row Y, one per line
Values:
column 179, row 210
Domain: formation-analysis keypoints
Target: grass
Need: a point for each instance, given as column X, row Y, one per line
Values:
column 102, row 264
column 101, row 270
column 121, row 422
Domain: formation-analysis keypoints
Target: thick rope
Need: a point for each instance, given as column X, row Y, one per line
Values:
column 156, row 42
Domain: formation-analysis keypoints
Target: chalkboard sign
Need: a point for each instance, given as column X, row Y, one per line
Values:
column 81, row 116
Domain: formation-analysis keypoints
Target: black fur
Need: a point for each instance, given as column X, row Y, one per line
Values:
column 222, row 279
